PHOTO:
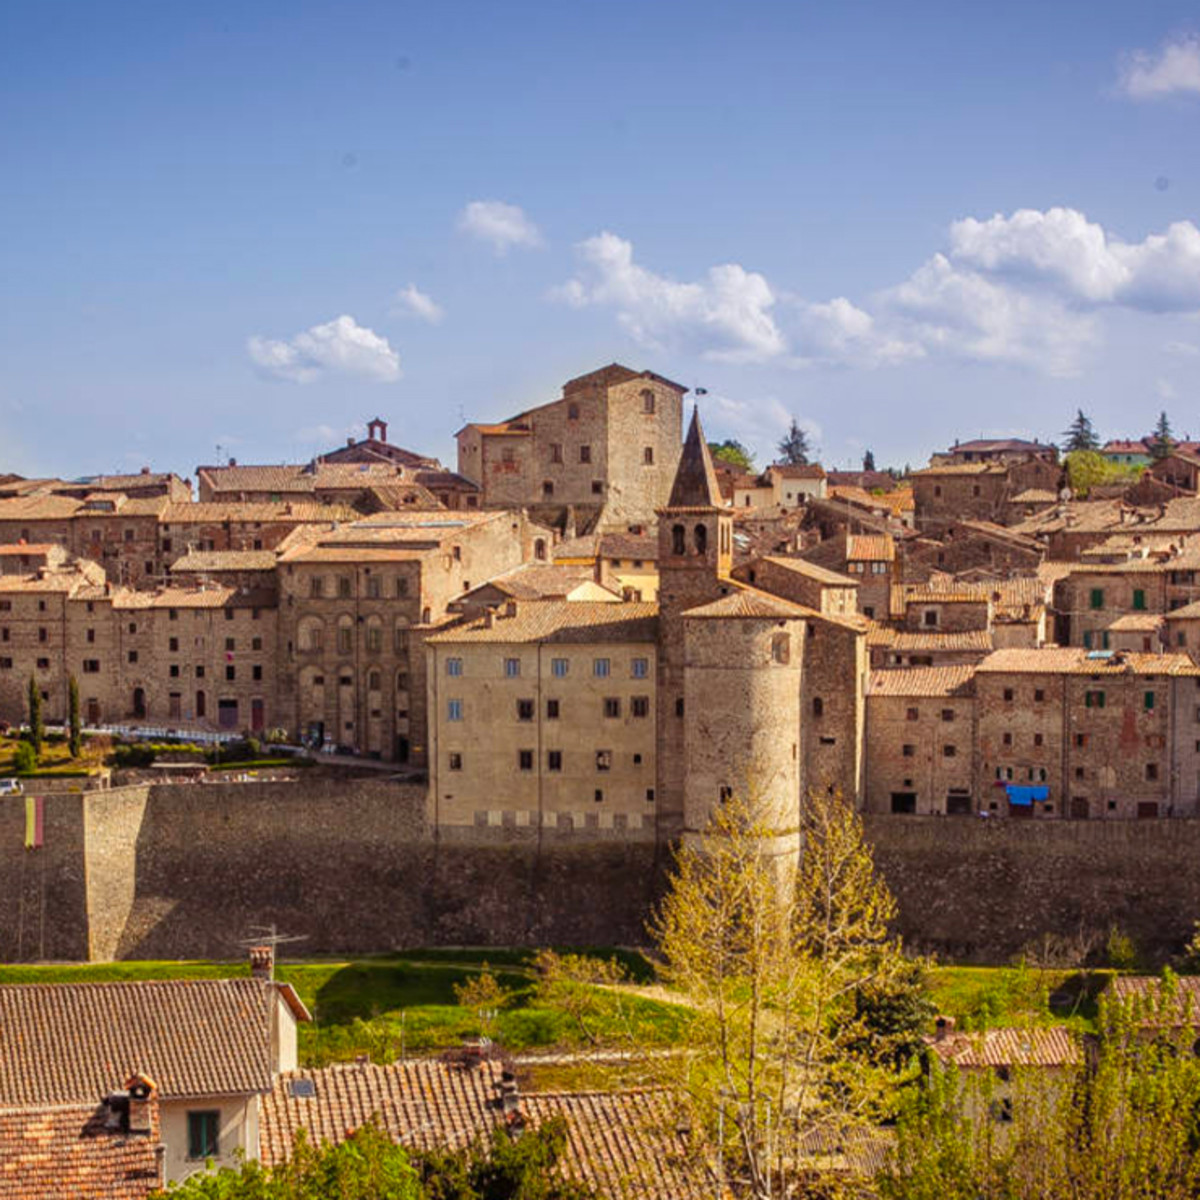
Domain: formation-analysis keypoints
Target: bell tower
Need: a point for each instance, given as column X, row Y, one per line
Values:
column 695, row 556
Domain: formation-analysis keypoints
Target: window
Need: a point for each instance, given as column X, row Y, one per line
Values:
column 1148, row 701
column 1008, row 739
column 947, row 714
column 231, row 673
column 949, row 751
column 908, row 750
column 572, row 412
column 132, row 656
column 648, row 456
column 230, row 644
column 781, row 649
column 91, row 666
column 639, row 706
column 1039, row 696
column 553, row 760
column 598, row 795
column 679, row 707
column 1080, row 740
column 401, row 585
column 612, row 706
column 374, row 587
column 256, row 672
column 512, row 668
column 551, row 710
column 931, row 616
column 344, row 639
column 1139, row 600
column 525, row 760
column 597, row 487
column 525, row 710
column 1038, row 739
column 455, row 762
column 43, row 634
column 640, row 668
column 600, row 668
column 1009, row 695
column 43, row 664
column 585, row 454
column 647, row 401
column 912, row 714
column 344, row 586
column 1096, row 599
column 1093, row 699
column 5, row 664
column 603, row 760
column 454, row 710
column 374, row 638
column 556, row 452
column 700, row 538
column 454, row 666
column 818, row 707
column 1151, row 772
column 174, row 671
column 316, row 586
column 256, row 643
column 558, row 667
column 199, row 672
column 203, row 1131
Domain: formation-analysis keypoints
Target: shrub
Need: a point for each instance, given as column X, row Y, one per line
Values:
column 24, row 759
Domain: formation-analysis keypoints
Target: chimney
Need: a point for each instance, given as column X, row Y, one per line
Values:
column 145, row 470
column 510, row 608
column 262, row 962
column 488, row 619
column 233, row 462
column 141, row 1090
column 349, row 441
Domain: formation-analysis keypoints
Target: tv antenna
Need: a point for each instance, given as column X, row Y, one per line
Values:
column 269, row 935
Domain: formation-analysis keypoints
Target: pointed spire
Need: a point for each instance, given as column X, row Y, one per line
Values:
column 695, row 480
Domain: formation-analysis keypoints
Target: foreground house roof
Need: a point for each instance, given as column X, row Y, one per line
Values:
column 1053, row 1047
column 70, row 1043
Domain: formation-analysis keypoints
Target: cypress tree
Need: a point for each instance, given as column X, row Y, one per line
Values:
column 76, row 742
column 37, row 727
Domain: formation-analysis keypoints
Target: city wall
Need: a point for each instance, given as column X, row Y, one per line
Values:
column 184, row 871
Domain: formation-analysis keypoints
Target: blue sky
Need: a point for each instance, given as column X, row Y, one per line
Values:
column 255, row 226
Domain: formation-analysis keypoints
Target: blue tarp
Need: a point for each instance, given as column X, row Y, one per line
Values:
column 1027, row 795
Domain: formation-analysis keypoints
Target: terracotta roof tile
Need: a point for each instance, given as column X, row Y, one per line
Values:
column 1064, row 660
column 870, row 548
column 225, row 560
column 922, row 681
column 811, row 570
column 978, row 640
column 69, row 1043
column 48, row 1153
column 583, row 621
column 751, row 603
column 1053, row 1047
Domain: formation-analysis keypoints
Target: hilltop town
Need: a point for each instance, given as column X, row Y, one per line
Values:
column 591, row 623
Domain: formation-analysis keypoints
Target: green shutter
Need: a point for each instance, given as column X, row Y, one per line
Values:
column 1148, row 700
column 1097, row 597
column 1139, row 600
column 1087, row 639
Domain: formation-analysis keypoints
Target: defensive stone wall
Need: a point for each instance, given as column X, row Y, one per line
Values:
column 183, row 871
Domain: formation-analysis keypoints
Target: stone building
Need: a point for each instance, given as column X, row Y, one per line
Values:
column 783, row 485
column 610, row 443
column 978, row 490
column 996, row 450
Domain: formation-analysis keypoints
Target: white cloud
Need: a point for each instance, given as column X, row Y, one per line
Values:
column 726, row 316
column 501, row 225
column 841, row 332
column 1175, row 68
column 415, row 302
column 1166, row 389
column 1183, row 349
column 758, row 423
column 963, row 314
column 328, row 435
column 1084, row 263
column 341, row 346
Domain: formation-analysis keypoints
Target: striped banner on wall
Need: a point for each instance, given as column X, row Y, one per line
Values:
column 35, row 817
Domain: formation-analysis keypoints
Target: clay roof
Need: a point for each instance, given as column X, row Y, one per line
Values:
column 870, row 548
column 1136, row 623
column 1004, row 533
column 35, row 548
column 629, row 545
column 537, row 581
column 67, row 1043
column 117, row 483
column 1186, row 612
column 897, row 501
column 624, row 1143
column 68, row 1151
column 404, row 495
column 1056, row 1046
column 1034, row 496
column 560, row 621
column 1150, row 987
column 867, row 480
column 39, row 508
column 1009, row 597
column 751, row 603
column 210, row 512
column 1070, row 660
column 975, row 468
column 175, row 597
column 1139, row 447
column 49, row 581
column 962, row 640
column 225, row 560
column 951, row 595
column 695, row 483
column 797, row 470
column 922, row 681
column 811, row 570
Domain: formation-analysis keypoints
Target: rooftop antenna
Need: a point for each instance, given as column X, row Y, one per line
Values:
column 269, row 935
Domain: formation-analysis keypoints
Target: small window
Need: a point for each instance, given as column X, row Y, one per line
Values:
column 640, row 668
column 558, row 667
column 132, row 656
column 818, row 707
column 612, row 707
column 551, row 710
column 1093, row 699
column 908, row 750
column 1148, row 701
column 1038, row 739
column 455, row 761
column 1039, row 696
column 600, row 667
column 231, row 673
column 1139, row 600
column 603, row 760
column 947, row 714
column 556, row 452
column 525, row 710
column 374, row 587
column 454, row 710
column 597, row 487
column 648, row 456
column 647, row 401
column 344, row 586
column 1151, row 772
column 912, row 714
column 512, row 668
column 598, row 795
column 553, row 760
column 679, row 707
column 91, row 666
column 230, row 644
column 585, row 454
column 949, row 751
column 1096, row 599
column 525, row 760
column 1080, row 740
column 639, row 706
column 203, row 1134
column 781, row 647
column 1008, row 739
column 1009, row 695
column 931, row 616
column 572, row 412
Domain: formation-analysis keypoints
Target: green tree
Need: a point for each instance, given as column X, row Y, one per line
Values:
column 37, row 726
column 772, row 957
column 574, row 984
column 733, row 452
column 485, row 996
column 24, row 759
column 76, row 736
column 1162, row 439
column 1081, row 435
column 793, row 446
column 869, row 460
column 1087, row 469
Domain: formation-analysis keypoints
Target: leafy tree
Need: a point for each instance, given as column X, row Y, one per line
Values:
column 793, row 446
column 1081, row 435
column 572, row 983
column 24, row 759
column 1087, row 469
column 893, row 1012
column 1123, row 1121
column 37, row 726
column 869, row 461
column 483, row 994
column 772, row 956
column 76, row 736
column 733, row 452
column 1162, row 439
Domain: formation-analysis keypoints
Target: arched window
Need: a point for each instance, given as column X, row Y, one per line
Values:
column 647, row 400
column 781, row 648
column 374, row 681
column 374, row 635
column 700, row 536
column 311, row 634
column 345, row 634
column 400, row 635
column 818, row 707
column 677, row 542
column 539, row 549
column 426, row 616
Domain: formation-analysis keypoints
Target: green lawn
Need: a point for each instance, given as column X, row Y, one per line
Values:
column 988, row 997
column 378, row 1006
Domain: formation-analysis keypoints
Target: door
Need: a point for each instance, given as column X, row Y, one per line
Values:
column 139, row 703
column 904, row 802
column 227, row 714
column 201, row 705
column 93, row 712
column 1147, row 810
column 257, row 715
column 402, row 749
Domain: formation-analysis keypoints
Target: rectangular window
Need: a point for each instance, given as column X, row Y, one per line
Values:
column 1038, row 695
column 558, row 667
column 600, row 667
column 454, row 666
column 912, row 714
column 525, row 760
column 1151, row 772
column 91, row 666
column 1093, row 699
column 1096, row 599
column 553, row 760
column 132, row 656
column 949, row 751
column 1087, row 639
column 1009, row 695
column 908, row 750
column 947, row 714
column 512, row 667
column 173, row 645
column 648, row 456
column 91, row 635
column 585, row 454
column 551, row 710
column 256, row 643
column 43, row 664
column 174, row 671
column 455, row 761
column 639, row 706
column 231, row 673
column 230, row 644
column 1148, row 701
column 203, row 1132
column 256, row 672
column 344, row 586
column 1139, row 600
column 374, row 587
column 454, row 710
column 640, row 668
column 603, row 760
column 401, row 585
column 525, row 710
column 556, row 452
column 316, row 586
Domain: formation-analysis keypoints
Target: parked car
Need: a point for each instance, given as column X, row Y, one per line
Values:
column 10, row 787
